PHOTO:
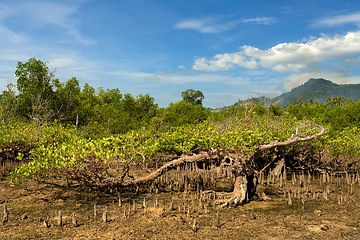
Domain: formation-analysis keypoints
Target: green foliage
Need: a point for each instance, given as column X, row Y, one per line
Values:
column 8, row 104
column 67, row 101
column 192, row 96
column 337, row 116
column 117, row 113
column 75, row 152
column 35, row 85
column 347, row 142
column 276, row 110
column 33, row 134
column 183, row 112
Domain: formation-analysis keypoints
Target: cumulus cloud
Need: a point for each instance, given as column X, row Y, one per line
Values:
column 217, row 24
column 286, row 57
column 224, row 62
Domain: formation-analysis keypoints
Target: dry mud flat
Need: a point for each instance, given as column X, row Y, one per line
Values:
column 33, row 213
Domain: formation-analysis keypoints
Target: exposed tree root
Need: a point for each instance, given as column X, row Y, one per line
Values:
column 246, row 185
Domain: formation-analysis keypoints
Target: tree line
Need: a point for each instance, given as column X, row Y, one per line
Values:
column 40, row 97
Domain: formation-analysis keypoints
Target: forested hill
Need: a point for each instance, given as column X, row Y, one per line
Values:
column 318, row 90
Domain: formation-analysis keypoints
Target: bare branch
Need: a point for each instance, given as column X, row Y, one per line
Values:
column 143, row 157
column 293, row 140
column 168, row 166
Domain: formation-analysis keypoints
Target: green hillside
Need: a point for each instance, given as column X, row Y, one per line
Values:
column 318, row 90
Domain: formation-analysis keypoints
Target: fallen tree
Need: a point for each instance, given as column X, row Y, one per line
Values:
column 225, row 153
column 245, row 169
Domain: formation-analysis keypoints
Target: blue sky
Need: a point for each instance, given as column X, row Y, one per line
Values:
column 227, row 49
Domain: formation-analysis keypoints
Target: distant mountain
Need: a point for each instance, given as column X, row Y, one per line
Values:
column 318, row 89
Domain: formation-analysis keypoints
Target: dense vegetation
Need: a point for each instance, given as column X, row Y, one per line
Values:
column 60, row 128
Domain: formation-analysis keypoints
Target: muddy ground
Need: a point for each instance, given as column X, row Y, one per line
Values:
column 182, row 215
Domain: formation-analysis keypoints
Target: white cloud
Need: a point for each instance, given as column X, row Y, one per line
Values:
column 223, row 62
column 199, row 78
column 71, row 60
column 42, row 14
column 6, row 11
column 216, row 25
column 62, row 16
column 181, row 67
column 177, row 78
column 286, row 57
column 205, row 25
column 259, row 20
column 63, row 62
column 353, row 18
column 19, row 44
column 11, row 37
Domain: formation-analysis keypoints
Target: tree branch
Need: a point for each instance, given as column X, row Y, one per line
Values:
column 293, row 140
column 166, row 167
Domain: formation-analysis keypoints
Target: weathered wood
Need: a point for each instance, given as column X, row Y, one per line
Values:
column 105, row 215
column 293, row 140
column 240, row 193
column 73, row 219
column 6, row 214
column 60, row 218
column 280, row 165
column 166, row 167
column 246, row 186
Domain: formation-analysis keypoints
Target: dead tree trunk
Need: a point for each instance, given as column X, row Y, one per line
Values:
column 246, row 185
